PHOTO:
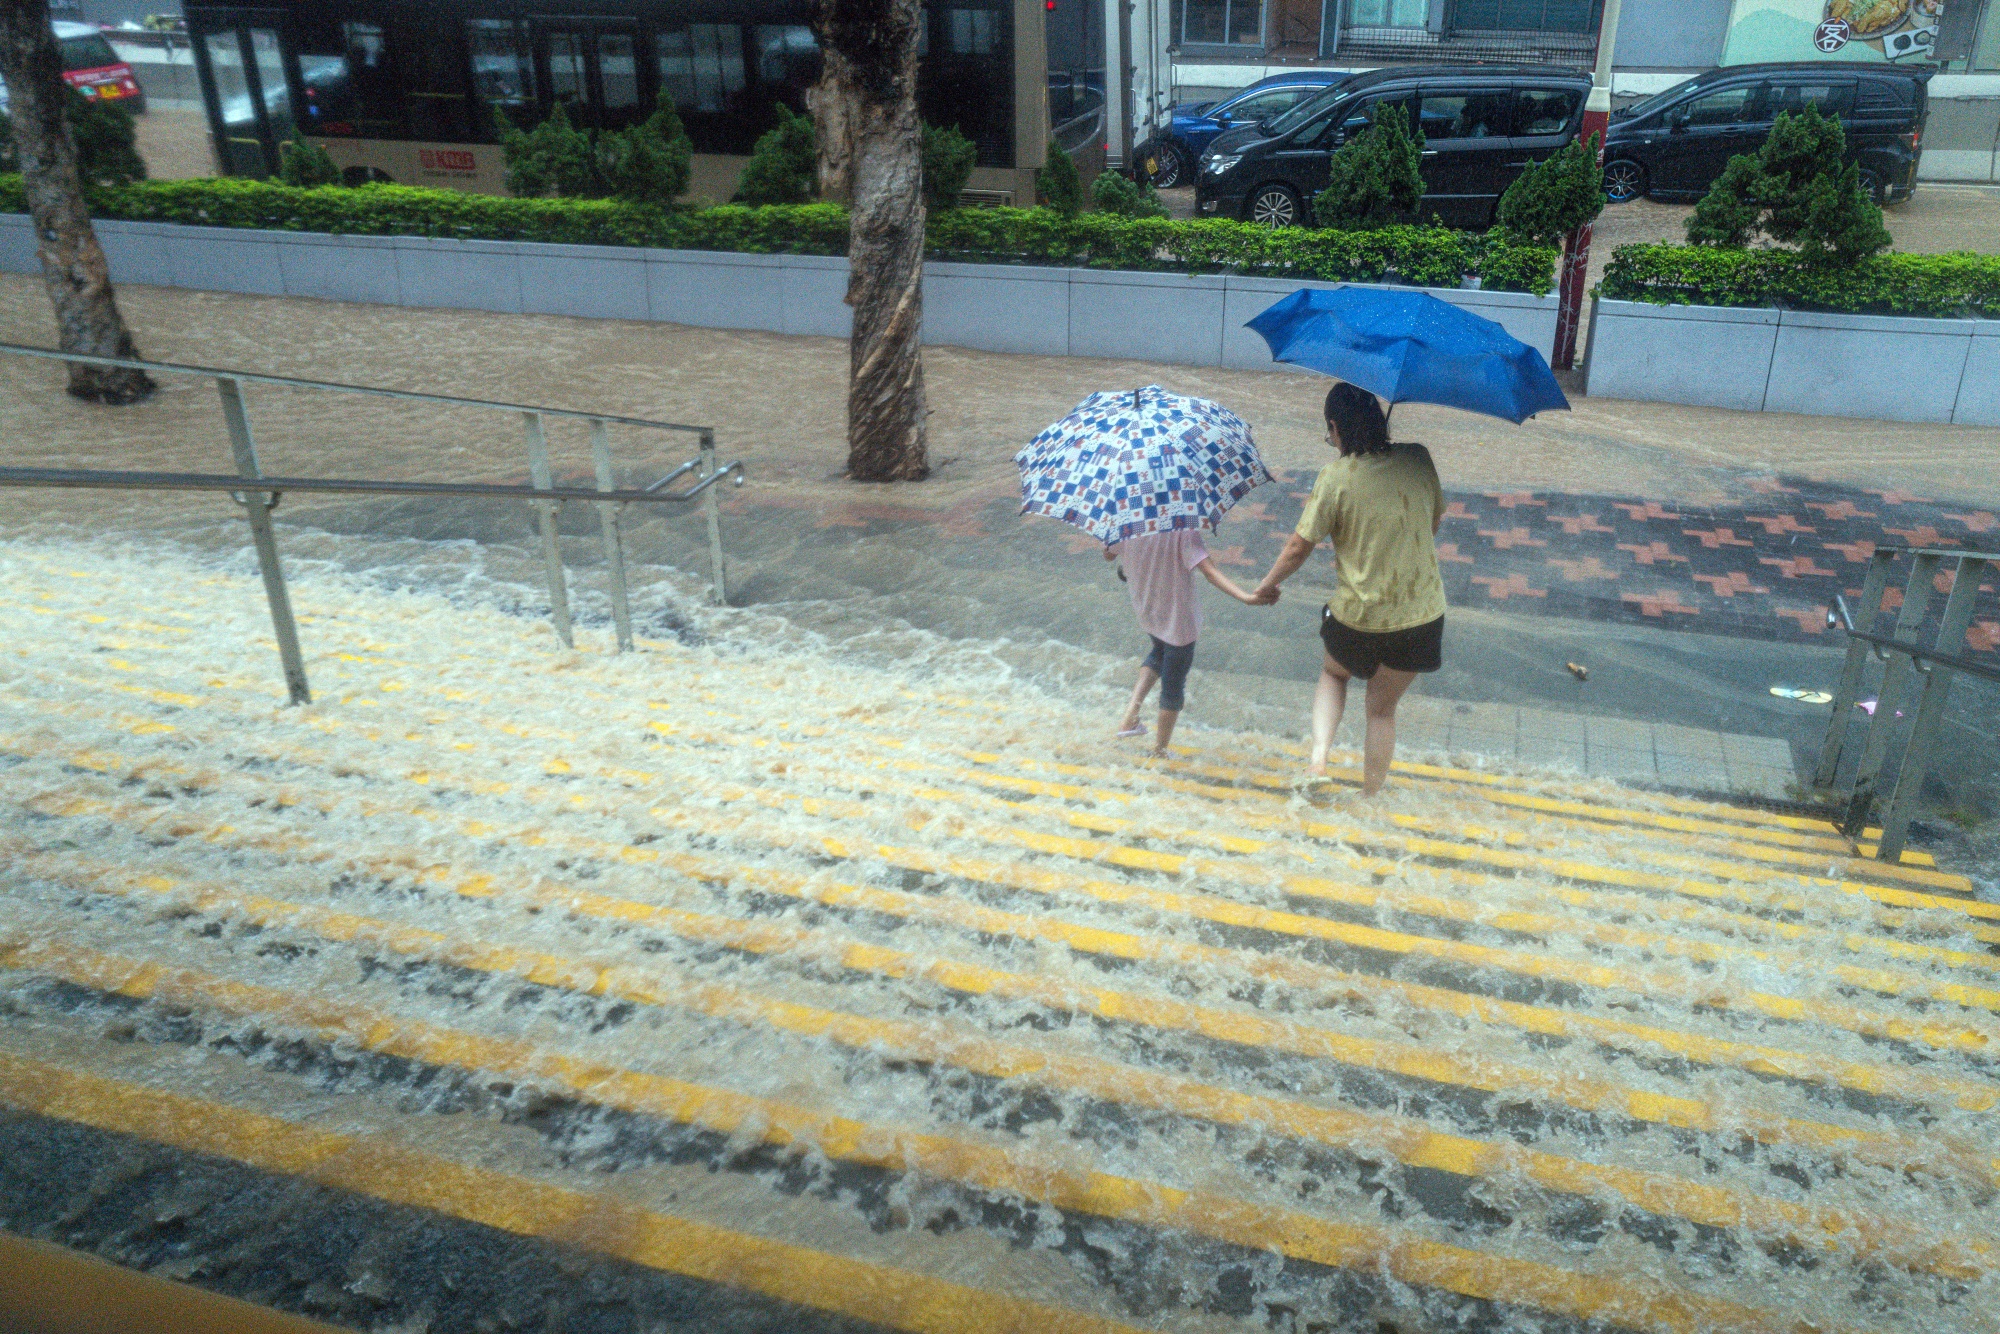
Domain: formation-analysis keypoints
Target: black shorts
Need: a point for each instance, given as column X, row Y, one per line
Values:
column 1417, row 649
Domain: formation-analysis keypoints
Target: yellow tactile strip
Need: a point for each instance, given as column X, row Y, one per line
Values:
column 530, row 1208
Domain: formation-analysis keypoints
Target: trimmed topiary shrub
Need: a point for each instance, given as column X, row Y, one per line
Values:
column 1797, row 190
column 949, row 158
column 784, row 165
column 1556, row 196
column 554, row 158
column 1374, row 179
column 1117, row 194
column 305, row 164
column 1058, row 185
column 649, row 163
column 107, row 151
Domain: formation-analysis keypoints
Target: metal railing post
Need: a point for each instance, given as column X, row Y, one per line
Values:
column 538, row 474
column 614, row 548
column 1851, row 672
column 1895, row 673
column 714, row 515
column 1930, row 710
column 257, row 507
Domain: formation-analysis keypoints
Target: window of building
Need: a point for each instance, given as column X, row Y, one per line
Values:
column 618, row 70
column 1222, row 22
column 1527, row 15
column 1544, row 110
column 501, row 70
column 965, row 76
column 1388, row 13
column 1986, row 49
column 974, row 32
column 1482, row 115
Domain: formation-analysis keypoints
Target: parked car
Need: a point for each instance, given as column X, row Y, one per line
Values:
column 1169, row 158
column 1483, row 124
column 92, row 68
column 1673, row 145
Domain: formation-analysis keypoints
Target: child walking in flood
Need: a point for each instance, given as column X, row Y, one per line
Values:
column 1160, row 568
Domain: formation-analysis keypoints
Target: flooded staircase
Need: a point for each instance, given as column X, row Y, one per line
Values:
column 742, row 985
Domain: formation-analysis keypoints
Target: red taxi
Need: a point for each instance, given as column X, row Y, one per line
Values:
column 92, row 68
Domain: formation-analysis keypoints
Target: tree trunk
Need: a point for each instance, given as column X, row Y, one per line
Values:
column 831, row 102
column 73, row 265
column 872, row 50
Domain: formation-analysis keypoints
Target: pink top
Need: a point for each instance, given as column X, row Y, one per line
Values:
column 1159, row 567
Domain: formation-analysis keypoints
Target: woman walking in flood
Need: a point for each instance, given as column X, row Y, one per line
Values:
column 1381, row 504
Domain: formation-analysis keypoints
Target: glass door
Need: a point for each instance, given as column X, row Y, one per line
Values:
column 592, row 68
column 250, row 96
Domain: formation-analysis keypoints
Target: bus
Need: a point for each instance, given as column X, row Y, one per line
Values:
column 408, row 90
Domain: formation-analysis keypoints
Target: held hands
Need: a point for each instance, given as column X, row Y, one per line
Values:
column 1264, row 595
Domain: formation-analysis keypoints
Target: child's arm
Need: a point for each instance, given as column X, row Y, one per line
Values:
column 1226, row 584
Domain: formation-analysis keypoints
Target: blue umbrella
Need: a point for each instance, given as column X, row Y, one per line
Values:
column 1135, row 461
column 1410, row 347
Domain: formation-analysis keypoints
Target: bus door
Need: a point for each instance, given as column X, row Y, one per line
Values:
column 592, row 67
column 243, row 67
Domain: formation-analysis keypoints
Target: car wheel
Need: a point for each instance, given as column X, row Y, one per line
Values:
column 1624, row 181
column 1170, row 166
column 1274, row 205
column 1871, row 184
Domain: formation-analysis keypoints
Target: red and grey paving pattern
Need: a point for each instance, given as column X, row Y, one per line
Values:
column 1769, row 570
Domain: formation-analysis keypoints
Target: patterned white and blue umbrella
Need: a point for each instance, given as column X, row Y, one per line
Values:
column 1133, row 461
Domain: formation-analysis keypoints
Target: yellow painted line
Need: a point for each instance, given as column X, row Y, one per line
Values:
column 1409, row 1141
column 527, row 1207
column 757, row 937
column 1678, row 988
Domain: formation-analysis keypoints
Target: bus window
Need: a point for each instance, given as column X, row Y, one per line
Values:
column 618, row 70
column 277, row 90
column 787, row 63
column 242, row 138
column 501, row 70
column 567, row 82
column 349, row 89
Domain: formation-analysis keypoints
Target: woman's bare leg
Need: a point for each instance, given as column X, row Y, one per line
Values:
column 1148, row 678
column 1329, row 702
column 1168, row 717
column 1385, row 688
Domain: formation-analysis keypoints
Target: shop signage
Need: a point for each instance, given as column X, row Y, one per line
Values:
column 1867, row 30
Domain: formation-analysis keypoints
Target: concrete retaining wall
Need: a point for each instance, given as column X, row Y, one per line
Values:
column 1160, row 317
column 1756, row 360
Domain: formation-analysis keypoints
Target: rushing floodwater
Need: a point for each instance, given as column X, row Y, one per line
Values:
column 799, row 864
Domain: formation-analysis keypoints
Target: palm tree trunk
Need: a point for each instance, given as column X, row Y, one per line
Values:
column 872, row 60
column 73, row 265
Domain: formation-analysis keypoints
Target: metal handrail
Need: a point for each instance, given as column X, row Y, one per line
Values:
column 87, row 480
column 259, row 494
column 373, row 391
column 1903, row 660
column 1885, row 644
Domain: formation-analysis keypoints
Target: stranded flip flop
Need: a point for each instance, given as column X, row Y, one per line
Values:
column 1802, row 696
column 1132, row 731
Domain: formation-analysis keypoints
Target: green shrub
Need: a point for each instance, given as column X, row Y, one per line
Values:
column 1428, row 256
column 1057, row 183
column 1950, row 286
column 649, row 163
column 1117, row 194
column 107, row 151
column 1797, row 190
column 949, row 158
column 1556, row 196
column 553, row 158
column 784, row 164
column 305, row 164
column 1374, row 178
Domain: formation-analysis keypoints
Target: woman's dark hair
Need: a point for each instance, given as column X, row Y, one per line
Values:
column 1353, row 412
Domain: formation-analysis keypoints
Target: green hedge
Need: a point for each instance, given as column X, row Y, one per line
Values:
column 1952, row 286
column 1427, row 256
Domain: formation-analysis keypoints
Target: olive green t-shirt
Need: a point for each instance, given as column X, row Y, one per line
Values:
column 1380, row 510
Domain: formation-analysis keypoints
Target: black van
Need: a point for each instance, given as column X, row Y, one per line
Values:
column 1673, row 145
column 1482, row 125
